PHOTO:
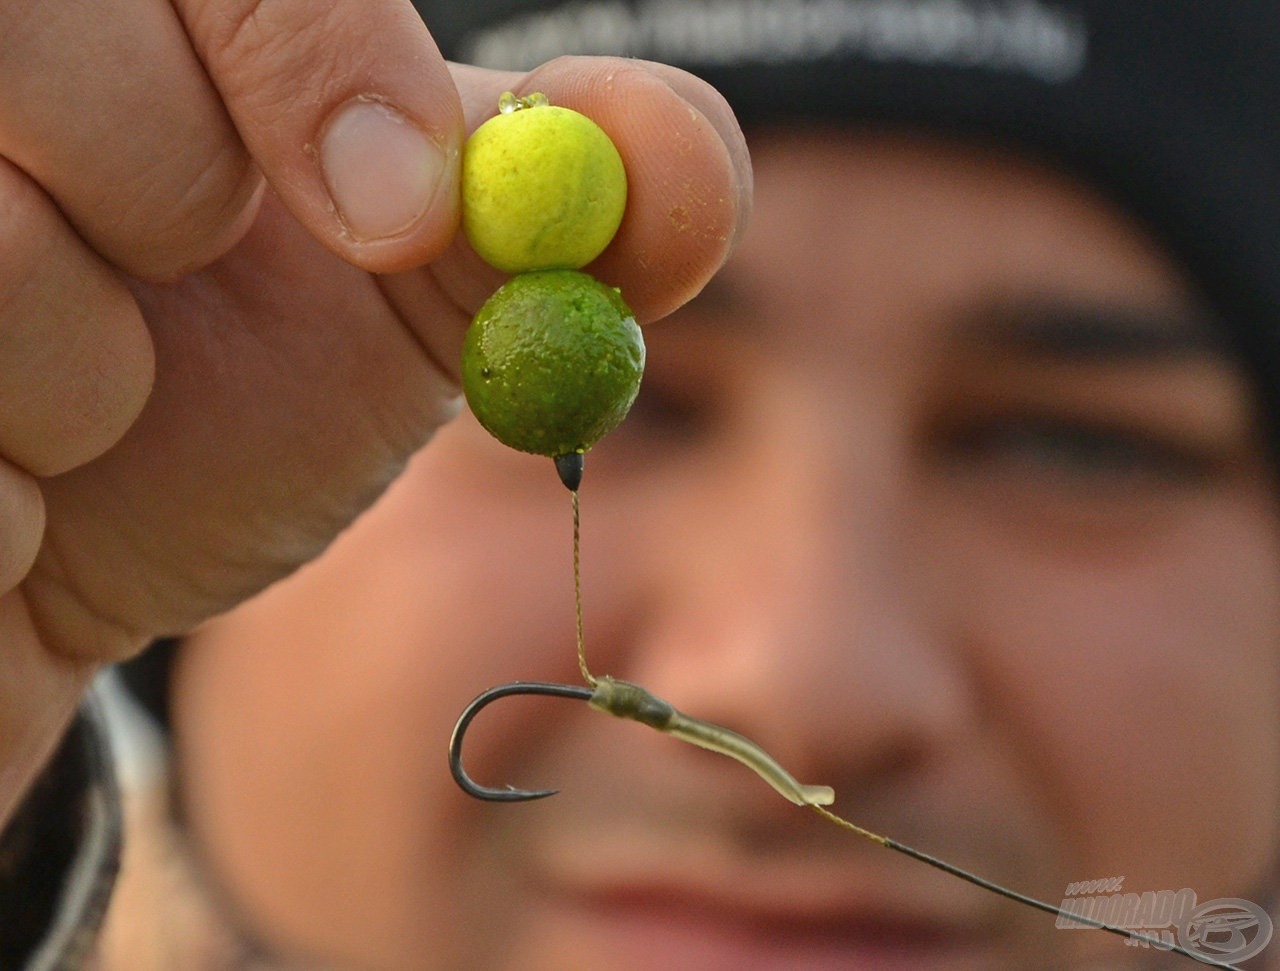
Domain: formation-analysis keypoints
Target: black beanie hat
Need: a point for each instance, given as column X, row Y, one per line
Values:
column 1169, row 107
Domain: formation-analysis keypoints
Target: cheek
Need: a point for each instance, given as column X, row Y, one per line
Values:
column 1141, row 695
column 315, row 719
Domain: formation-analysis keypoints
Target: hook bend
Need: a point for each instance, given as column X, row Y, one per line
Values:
column 507, row 793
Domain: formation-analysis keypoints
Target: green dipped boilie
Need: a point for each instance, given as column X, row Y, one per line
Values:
column 552, row 362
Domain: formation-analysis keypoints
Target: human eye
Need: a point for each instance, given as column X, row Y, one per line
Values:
column 1063, row 409
column 1066, row 452
column 1055, row 469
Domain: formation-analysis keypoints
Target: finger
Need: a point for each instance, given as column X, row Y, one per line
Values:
column 713, row 106
column 107, row 107
column 688, row 175
column 350, row 111
column 76, row 360
column 687, row 186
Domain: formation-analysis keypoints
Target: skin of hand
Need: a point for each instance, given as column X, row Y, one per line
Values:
column 233, row 294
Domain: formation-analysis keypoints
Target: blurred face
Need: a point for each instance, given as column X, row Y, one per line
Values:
column 939, row 492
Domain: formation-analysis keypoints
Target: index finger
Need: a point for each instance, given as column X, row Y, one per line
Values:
column 688, row 173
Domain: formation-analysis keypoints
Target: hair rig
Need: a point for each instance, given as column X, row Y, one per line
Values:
column 626, row 700
column 623, row 699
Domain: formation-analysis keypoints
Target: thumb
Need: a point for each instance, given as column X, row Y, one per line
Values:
column 351, row 113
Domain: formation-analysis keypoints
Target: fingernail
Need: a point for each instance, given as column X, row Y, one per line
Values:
column 380, row 168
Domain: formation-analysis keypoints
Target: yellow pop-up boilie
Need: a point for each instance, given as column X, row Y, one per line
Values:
column 543, row 187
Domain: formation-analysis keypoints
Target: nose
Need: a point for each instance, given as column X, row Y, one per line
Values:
column 792, row 598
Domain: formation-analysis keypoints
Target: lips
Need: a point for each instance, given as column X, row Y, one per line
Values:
column 653, row 903
column 676, row 930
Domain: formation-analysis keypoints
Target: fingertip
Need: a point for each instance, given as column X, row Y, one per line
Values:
column 718, row 112
column 688, row 173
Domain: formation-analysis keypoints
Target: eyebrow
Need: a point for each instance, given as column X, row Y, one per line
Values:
column 1062, row 329
column 1088, row 332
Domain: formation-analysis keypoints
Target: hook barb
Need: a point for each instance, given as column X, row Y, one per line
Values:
column 485, row 698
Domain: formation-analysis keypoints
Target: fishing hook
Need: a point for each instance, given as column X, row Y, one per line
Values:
column 626, row 700
column 508, row 793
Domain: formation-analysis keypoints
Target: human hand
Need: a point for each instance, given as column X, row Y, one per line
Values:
column 202, row 379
